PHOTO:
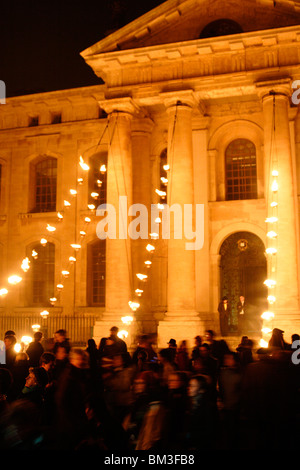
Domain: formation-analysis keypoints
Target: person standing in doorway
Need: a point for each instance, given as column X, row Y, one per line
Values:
column 241, row 310
column 224, row 314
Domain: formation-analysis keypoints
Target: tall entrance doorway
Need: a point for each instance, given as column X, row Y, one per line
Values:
column 243, row 270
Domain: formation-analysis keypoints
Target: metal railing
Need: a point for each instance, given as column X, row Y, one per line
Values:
column 79, row 327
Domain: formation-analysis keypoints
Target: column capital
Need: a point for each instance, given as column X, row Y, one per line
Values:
column 185, row 98
column 269, row 88
column 120, row 105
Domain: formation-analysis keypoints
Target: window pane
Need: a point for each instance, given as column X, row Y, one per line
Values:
column 45, row 185
column 96, row 273
column 41, row 285
column 240, row 162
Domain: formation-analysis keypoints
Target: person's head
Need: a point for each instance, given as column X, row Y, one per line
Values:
column 38, row 336
column 9, row 333
column 242, row 298
column 198, row 341
column 225, row 300
column 165, row 355
column 79, row 358
column 209, row 335
column 204, row 350
column 230, row 360
column 60, row 335
column 92, row 344
column 35, row 378
column 61, row 353
column 196, row 386
column 47, row 360
column 9, row 341
column 114, row 331
column 172, row 343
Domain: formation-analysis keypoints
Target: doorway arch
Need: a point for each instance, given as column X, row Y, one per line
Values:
column 243, row 269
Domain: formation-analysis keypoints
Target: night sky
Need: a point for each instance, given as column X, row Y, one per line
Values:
column 41, row 40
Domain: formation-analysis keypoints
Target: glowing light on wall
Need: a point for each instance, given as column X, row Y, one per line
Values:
column 14, row 279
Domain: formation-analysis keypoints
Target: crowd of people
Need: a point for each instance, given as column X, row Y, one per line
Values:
column 56, row 396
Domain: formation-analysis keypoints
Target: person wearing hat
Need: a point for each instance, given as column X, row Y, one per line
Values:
column 224, row 315
column 277, row 341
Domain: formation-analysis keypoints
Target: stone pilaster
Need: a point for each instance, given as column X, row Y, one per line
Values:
column 278, row 157
column 119, row 275
column 181, row 319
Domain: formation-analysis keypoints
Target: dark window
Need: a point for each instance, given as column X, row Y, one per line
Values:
column 33, row 121
column 56, row 118
column 45, row 185
column 222, row 27
column 96, row 273
column 41, row 275
column 97, row 179
column 240, row 170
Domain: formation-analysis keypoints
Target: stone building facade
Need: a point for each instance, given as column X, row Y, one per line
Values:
column 207, row 88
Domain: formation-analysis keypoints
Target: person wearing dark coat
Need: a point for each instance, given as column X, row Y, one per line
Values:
column 35, row 349
column 224, row 315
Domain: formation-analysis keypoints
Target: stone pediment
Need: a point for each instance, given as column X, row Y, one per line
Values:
column 185, row 20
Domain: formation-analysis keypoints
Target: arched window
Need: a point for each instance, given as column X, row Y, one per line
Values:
column 96, row 259
column 97, row 179
column 44, row 181
column 221, row 27
column 40, row 277
column 240, row 170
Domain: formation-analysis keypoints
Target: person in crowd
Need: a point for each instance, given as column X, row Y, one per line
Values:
column 245, row 352
column 176, row 405
column 141, row 397
column 34, row 387
column 172, row 345
column 73, row 401
column 118, row 388
column 182, row 358
column 195, row 351
column 230, row 393
column 61, row 360
column 10, row 353
column 277, row 340
column 93, row 353
column 167, row 364
column 61, row 339
column 35, row 349
column 217, row 347
column 20, row 371
column 199, row 427
column 112, row 345
column 144, row 353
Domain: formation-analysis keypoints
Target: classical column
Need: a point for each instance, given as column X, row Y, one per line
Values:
column 181, row 262
column 141, row 130
column 181, row 318
column 278, row 157
column 119, row 276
